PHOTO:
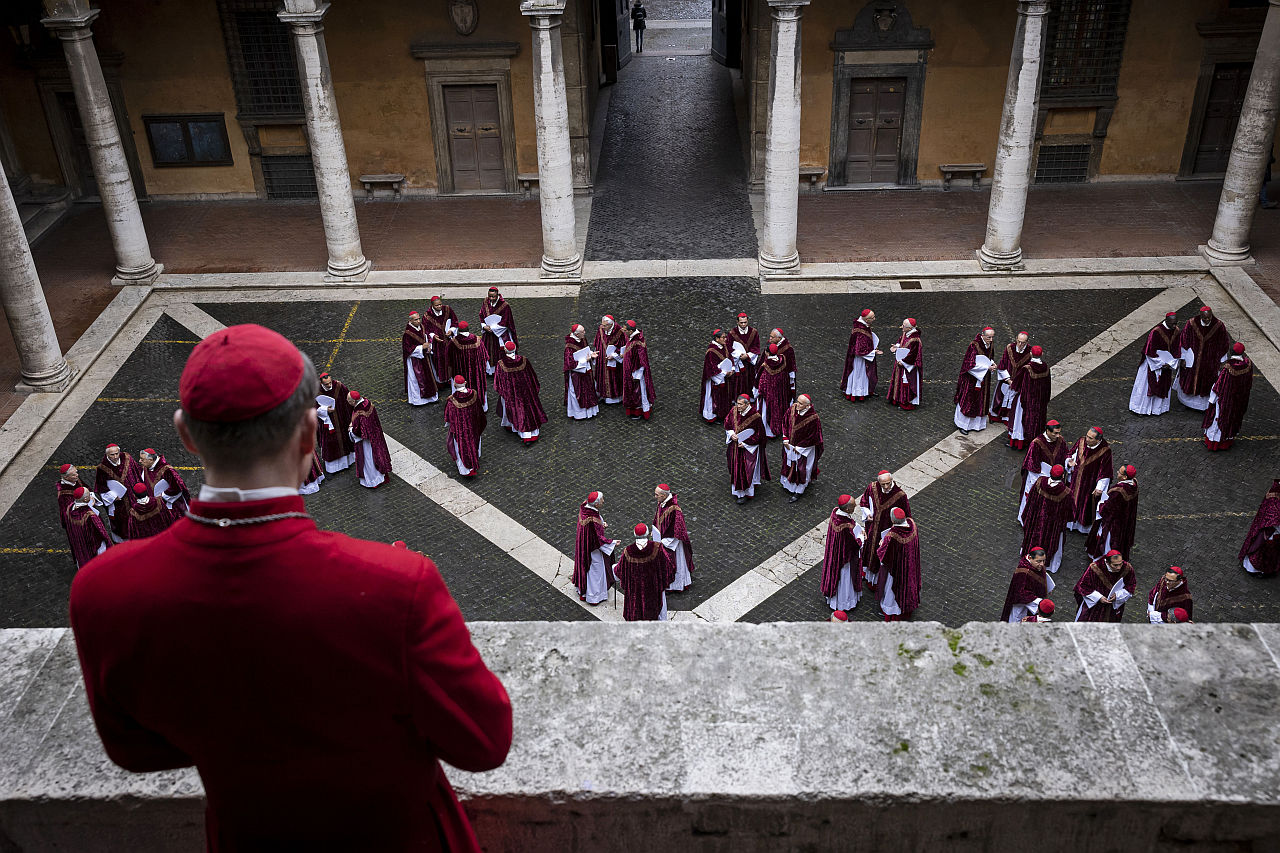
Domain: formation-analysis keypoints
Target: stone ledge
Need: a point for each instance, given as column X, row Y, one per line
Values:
column 772, row 736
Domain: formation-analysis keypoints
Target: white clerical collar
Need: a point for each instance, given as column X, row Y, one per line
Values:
column 230, row 494
column 633, row 334
column 1204, row 321
column 1053, row 482
column 437, row 311
column 642, row 544
column 909, row 333
column 1020, row 347
column 154, row 463
column 666, row 500
column 416, row 327
column 513, row 356
column 741, row 330
column 69, row 482
column 842, row 512
column 1036, row 360
column 861, row 322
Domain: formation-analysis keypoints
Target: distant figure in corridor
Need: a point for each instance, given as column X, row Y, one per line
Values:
column 638, row 14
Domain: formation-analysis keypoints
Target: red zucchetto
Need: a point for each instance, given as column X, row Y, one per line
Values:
column 238, row 373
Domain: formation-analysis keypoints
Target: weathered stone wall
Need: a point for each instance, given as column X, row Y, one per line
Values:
column 771, row 737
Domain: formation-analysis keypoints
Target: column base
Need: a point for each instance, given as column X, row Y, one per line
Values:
column 139, row 275
column 54, row 382
column 770, row 265
column 1220, row 257
column 1000, row 261
column 350, row 272
column 562, row 267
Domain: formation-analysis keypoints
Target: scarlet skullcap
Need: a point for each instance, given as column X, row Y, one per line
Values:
column 414, row 314
column 400, row 543
column 1112, row 553
column 1205, row 309
column 238, row 373
column 493, row 290
column 1171, row 314
column 1024, row 333
column 881, row 473
column 1035, row 548
column 151, row 451
column 844, row 500
column 664, row 487
column 866, row 312
column 741, row 314
column 631, row 324
column 1053, row 423
column 324, row 376
column 1056, row 472
column 773, row 349
column 1037, row 351
column 139, row 488
column 839, row 616
column 355, row 395
column 1180, row 615
column 898, row 514
column 1237, row 348
column 463, row 326
column 1130, row 470
column 1177, row 571
column 912, row 321
column 609, row 317
column 743, row 398
column 433, row 299
column 716, row 333
column 62, row 469
column 1046, row 607
column 510, row 346
column 459, row 380
column 593, row 497
column 80, row 492
column 116, row 446
column 642, row 530
column 988, row 329
column 1098, row 430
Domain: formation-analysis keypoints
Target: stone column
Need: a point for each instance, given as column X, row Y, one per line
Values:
column 1011, row 175
column 42, row 365
column 560, row 256
column 328, row 152
column 1250, row 151
column 72, row 21
column 782, row 141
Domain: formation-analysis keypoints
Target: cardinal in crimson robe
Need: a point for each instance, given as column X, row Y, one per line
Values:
column 669, row 529
column 907, row 377
column 315, row 476
column 441, row 323
column 469, row 359
column 878, row 501
column 466, row 422
column 607, row 371
column 1089, row 466
column 1045, row 517
column 495, row 333
column 580, row 398
column 745, row 439
column 744, row 350
column 1170, row 592
column 119, row 468
column 1260, row 553
column 1030, row 583
column 638, row 378
column 68, row 482
column 333, row 426
column 518, row 395
column 1042, row 611
column 1028, row 399
column 373, row 459
column 86, row 532
column 1161, row 355
column 1205, row 345
column 1228, row 400
column 415, row 350
column 973, row 386
column 717, row 369
column 802, row 445
column 644, row 571
column 1015, row 356
column 773, row 391
column 155, row 469
column 1104, row 588
column 858, row 382
column 842, row 558
column 1046, row 450
column 898, row 568
column 593, row 552
column 1116, row 520
column 144, row 514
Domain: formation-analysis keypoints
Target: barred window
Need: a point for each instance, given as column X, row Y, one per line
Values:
column 264, row 68
column 1085, row 45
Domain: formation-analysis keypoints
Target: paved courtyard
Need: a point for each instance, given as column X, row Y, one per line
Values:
column 504, row 540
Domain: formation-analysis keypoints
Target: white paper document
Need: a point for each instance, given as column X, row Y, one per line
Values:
column 582, row 356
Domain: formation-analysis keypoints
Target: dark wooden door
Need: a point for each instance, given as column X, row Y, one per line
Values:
column 475, row 138
column 726, row 32
column 83, row 164
column 875, row 130
column 1221, row 115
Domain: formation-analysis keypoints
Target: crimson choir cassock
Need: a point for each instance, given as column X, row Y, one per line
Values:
column 1013, row 359
column 876, row 506
column 593, row 555
column 518, row 395
column 1041, row 456
column 315, row 476
column 66, row 492
column 1029, row 584
column 1260, row 553
column 898, row 570
column 745, row 452
column 1044, row 519
column 907, row 377
column 1100, row 582
column 638, row 393
column 466, row 422
column 802, row 433
column 842, row 559
column 495, row 333
column 1117, row 520
column 644, row 571
column 1228, row 401
column 336, row 450
column 747, row 339
column 580, row 399
column 858, row 382
column 419, row 382
column 973, row 386
column 1205, row 339
column 373, row 459
column 773, row 391
column 86, row 532
column 144, row 514
column 669, row 527
column 175, row 495
column 607, row 372
column 441, row 324
column 1165, row 597
column 1028, row 399
column 126, row 473
column 1090, row 471
column 1160, row 356
column 716, row 401
column 469, row 359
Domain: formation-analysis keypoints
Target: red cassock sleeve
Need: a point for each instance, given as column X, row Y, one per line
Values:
column 458, row 705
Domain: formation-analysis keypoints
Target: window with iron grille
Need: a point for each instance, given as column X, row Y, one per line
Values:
column 264, row 68
column 1063, row 164
column 288, row 176
column 1084, row 47
column 198, row 139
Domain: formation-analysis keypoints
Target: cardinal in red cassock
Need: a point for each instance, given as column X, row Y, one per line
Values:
column 644, row 571
column 1228, row 401
column 898, row 561
column 1104, row 588
column 466, row 422
column 1260, row 553
column 842, row 557
column 518, row 395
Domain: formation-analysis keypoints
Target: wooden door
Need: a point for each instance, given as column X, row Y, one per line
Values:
column 475, row 138
column 726, row 32
column 83, row 179
column 1221, row 115
column 875, row 130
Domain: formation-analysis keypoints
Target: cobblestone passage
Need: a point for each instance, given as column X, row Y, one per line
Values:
column 671, row 184
column 664, row 10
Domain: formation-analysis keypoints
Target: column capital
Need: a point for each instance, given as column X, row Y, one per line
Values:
column 784, row 4
column 301, row 15
column 72, row 27
column 542, row 8
column 1036, row 8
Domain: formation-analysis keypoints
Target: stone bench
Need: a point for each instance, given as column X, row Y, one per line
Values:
column 527, row 181
column 394, row 181
column 951, row 170
column 812, row 175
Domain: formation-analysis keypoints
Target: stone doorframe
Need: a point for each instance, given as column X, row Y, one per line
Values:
column 476, row 64
column 883, row 42
column 54, row 78
column 1230, row 40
